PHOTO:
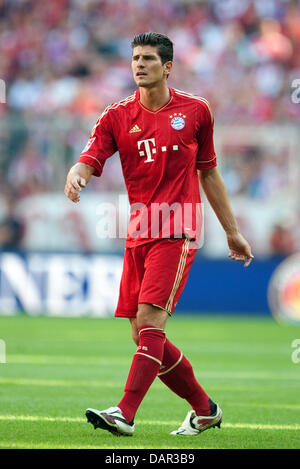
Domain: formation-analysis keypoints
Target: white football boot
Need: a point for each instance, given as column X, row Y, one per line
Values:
column 110, row 419
column 194, row 424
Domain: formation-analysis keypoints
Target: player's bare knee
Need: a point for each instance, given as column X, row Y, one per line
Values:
column 151, row 315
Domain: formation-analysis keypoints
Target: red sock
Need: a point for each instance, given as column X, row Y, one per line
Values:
column 177, row 373
column 144, row 368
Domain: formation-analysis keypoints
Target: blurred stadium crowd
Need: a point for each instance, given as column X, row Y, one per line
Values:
column 64, row 61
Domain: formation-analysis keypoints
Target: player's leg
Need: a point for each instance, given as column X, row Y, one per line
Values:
column 177, row 373
column 150, row 322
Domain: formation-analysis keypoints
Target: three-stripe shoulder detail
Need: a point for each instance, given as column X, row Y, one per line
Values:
column 197, row 98
column 123, row 102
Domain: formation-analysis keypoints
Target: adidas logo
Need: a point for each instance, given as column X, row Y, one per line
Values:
column 134, row 129
column 144, row 347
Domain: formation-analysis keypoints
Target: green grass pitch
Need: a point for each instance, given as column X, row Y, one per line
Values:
column 56, row 368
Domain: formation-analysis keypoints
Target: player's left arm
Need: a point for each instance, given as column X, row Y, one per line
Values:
column 216, row 193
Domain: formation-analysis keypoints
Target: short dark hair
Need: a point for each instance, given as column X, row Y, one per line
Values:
column 163, row 43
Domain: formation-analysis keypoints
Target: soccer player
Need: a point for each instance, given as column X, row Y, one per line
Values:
column 165, row 141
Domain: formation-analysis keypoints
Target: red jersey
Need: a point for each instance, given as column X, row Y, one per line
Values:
column 160, row 152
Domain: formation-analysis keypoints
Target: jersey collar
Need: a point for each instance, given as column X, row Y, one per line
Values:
column 137, row 94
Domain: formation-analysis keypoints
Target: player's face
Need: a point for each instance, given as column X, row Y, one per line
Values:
column 147, row 67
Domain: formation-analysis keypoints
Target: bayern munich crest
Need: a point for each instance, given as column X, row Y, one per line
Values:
column 177, row 121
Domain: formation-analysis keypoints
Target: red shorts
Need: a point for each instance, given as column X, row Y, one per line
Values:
column 154, row 273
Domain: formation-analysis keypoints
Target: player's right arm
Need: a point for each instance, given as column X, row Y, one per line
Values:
column 77, row 178
column 100, row 146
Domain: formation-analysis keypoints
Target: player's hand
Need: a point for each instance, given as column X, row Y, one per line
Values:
column 73, row 187
column 239, row 249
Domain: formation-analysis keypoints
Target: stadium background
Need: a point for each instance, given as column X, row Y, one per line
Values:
column 62, row 62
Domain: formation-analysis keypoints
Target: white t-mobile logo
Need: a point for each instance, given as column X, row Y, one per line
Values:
column 149, row 151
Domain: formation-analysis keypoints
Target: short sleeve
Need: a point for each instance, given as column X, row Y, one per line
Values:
column 206, row 157
column 100, row 146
